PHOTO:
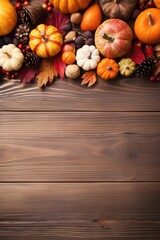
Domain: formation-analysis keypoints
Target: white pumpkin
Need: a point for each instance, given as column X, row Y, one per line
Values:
column 87, row 57
column 11, row 58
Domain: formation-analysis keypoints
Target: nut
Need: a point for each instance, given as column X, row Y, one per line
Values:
column 72, row 71
column 70, row 36
column 76, row 18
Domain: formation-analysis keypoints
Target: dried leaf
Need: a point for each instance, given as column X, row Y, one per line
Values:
column 27, row 74
column 46, row 72
column 89, row 78
column 58, row 20
column 136, row 54
column 59, row 65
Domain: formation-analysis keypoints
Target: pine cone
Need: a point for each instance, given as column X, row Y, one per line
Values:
column 22, row 33
column 25, row 16
column 31, row 60
column 145, row 68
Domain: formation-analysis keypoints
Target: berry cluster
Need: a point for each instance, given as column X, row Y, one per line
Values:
column 21, row 3
column 47, row 5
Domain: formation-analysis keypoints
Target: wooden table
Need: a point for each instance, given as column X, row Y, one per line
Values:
column 79, row 163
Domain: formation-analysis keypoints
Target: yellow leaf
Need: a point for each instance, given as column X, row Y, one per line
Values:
column 89, row 78
column 46, row 72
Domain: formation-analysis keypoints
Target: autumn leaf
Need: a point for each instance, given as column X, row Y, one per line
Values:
column 59, row 65
column 136, row 54
column 58, row 20
column 26, row 75
column 89, row 78
column 46, row 72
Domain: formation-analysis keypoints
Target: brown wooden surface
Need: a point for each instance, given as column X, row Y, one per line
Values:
column 79, row 163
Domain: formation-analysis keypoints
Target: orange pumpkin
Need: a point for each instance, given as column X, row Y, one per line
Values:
column 70, row 6
column 107, row 68
column 8, row 17
column 147, row 26
column 92, row 18
column 157, row 3
column 68, row 57
column 45, row 41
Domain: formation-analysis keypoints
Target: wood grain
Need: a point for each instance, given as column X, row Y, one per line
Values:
column 80, row 211
column 79, row 146
column 118, row 95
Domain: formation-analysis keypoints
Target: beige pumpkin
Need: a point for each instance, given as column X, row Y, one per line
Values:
column 11, row 58
column 87, row 57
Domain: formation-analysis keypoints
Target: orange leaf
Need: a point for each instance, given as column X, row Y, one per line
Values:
column 89, row 78
column 46, row 72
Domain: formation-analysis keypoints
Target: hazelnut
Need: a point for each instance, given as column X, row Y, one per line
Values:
column 72, row 71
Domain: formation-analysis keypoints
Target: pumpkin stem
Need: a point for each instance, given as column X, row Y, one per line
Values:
column 150, row 19
column 109, row 67
column 44, row 39
column 109, row 38
column 89, row 56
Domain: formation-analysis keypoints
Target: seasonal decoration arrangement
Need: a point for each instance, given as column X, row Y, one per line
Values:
column 89, row 40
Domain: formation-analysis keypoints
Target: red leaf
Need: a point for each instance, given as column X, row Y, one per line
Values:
column 27, row 74
column 59, row 65
column 58, row 20
column 136, row 54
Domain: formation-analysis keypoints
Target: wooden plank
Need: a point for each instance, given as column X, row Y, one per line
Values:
column 79, row 146
column 116, row 95
column 80, row 211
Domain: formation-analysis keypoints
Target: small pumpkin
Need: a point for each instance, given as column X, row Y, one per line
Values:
column 70, row 6
column 8, row 17
column 147, row 26
column 107, row 68
column 157, row 3
column 87, row 57
column 126, row 67
column 11, row 58
column 45, row 41
column 68, row 57
column 118, row 8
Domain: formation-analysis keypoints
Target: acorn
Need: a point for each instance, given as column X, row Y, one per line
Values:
column 76, row 18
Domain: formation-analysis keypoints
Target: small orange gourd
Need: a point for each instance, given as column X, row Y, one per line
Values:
column 147, row 26
column 45, row 41
column 107, row 68
column 68, row 57
column 92, row 18
column 8, row 17
column 70, row 6
column 157, row 3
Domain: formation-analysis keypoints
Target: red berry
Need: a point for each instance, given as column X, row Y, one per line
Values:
column 45, row 1
column 152, row 78
column 49, row 4
column 20, row 46
column 27, row 48
column 49, row 9
column 18, row 6
column 26, row 3
column 149, row 50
